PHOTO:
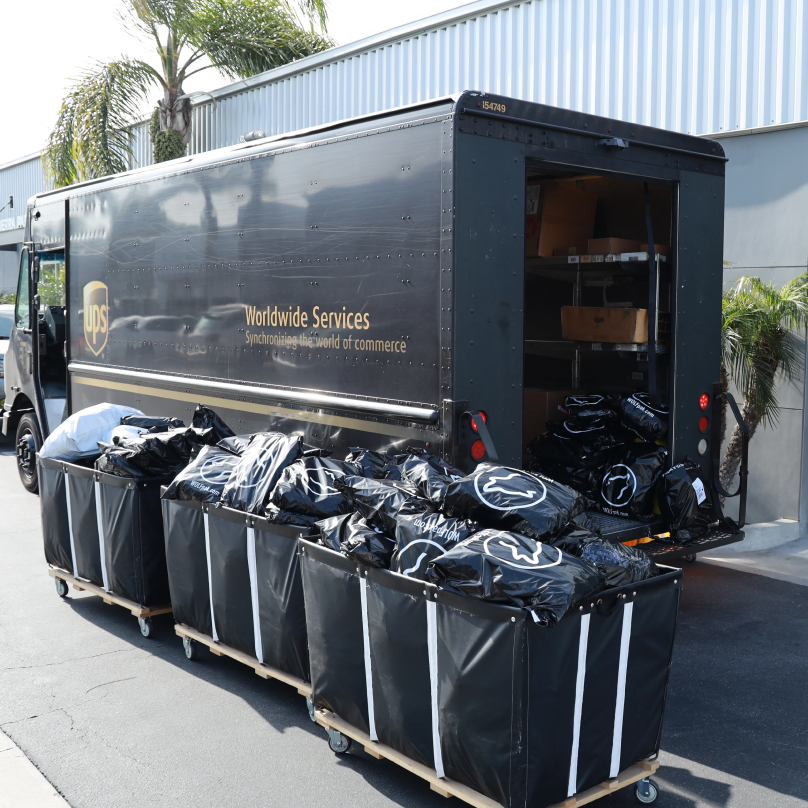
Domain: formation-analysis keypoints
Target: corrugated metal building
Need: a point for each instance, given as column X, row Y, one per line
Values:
column 719, row 67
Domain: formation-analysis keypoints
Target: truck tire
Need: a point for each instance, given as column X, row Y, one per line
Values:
column 29, row 440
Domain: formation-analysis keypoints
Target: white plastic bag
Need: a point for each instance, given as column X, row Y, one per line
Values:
column 78, row 436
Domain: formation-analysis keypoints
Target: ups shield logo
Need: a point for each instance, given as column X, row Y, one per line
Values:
column 96, row 316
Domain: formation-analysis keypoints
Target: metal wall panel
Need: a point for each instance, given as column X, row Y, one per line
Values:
column 694, row 66
column 20, row 179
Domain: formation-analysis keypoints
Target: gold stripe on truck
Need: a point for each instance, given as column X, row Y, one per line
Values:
column 247, row 406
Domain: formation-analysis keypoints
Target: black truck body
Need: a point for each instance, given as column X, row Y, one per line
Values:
column 365, row 282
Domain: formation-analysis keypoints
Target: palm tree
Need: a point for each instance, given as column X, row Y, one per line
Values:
column 757, row 344
column 92, row 135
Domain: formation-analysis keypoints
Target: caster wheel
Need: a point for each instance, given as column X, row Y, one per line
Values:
column 338, row 742
column 310, row 707
column 647, row 791
column 146, row 628
column 191, row 648
column 691, row 558
column 61, row 587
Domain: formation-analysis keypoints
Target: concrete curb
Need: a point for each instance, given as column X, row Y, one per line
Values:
column 21, row 783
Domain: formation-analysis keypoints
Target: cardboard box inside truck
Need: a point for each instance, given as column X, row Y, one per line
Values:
column 563, row 217
column 539, row 407
column 612, row 246
column 591, row 324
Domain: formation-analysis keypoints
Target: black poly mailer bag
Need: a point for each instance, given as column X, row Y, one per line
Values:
column 685, row 500
column 237, row 444
column 134, row 544
column 373, row 464
column 259, row 469
column 307, row 487
column 510, row 568
column 230, row 587
column 430, row 475
column 331, row 586
column 205, row 477
column 281, row 609
column 154, row 423
column 206, row 418
column 591, row 436
column 353, row 536
column 510, row 499
column 153, row 455
column 53, row 508
column 629, row 483
column 380, row 501
column 578, row 405
column 280, row 517
column 84, row 523
column 186, row 560
column 619, row 564
column 558, row 450
column 639, row 416
column 422, row 537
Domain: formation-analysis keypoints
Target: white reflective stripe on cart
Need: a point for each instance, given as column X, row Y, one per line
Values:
column 70, row 527
column 579, row 702
column 432, row 650
column 210, row 582
column 100, row 523
column 366, row 642
column 625, row 639
column 253, row 567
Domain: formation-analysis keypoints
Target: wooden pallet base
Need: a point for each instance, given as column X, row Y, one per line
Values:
column 264, row 671
column 108, row 597
column 449, row 788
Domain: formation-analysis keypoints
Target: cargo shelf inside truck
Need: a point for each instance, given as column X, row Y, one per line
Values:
column 616, row 528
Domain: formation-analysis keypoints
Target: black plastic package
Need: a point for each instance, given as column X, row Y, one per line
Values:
column 431, row 475
column 645, row 421
column 307, row 487
column 380, row 501
column 353, row 536
column 592, row 436
column 205, row 418
column 422, row 537
column 618, row 564
column 372, row 464
column 259, row 469
column 152, row 422
column 157, row 455
column 507, row 567
column 203, row 479
column 280, row 517
column 549, row 448
column 236, row 444
column 510, row 499
column 686, row 501
column 578, row 405
column 629, row 483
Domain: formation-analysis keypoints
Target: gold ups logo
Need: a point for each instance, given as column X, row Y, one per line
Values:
column 96, row 316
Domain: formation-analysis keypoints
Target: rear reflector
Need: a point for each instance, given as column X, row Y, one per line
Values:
column 478, row 450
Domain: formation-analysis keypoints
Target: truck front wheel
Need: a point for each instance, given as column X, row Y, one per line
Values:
column 28, row 442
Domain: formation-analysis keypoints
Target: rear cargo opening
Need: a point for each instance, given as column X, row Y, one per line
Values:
column 591, row 287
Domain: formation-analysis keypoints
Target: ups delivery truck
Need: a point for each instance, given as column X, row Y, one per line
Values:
column 374, row 281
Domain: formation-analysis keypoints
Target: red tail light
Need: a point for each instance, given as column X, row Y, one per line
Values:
column 704, row 422
column 483, row 416
column 704, row 401
column 477, row 450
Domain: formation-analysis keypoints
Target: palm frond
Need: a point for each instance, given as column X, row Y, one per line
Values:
column 91, row 137
column 757, row 343
column 245, row 37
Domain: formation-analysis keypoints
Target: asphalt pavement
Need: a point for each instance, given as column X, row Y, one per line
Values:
column 115, row 720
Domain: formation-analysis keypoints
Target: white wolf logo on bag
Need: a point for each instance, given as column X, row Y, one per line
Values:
column 619, row 486
column 502, row 491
